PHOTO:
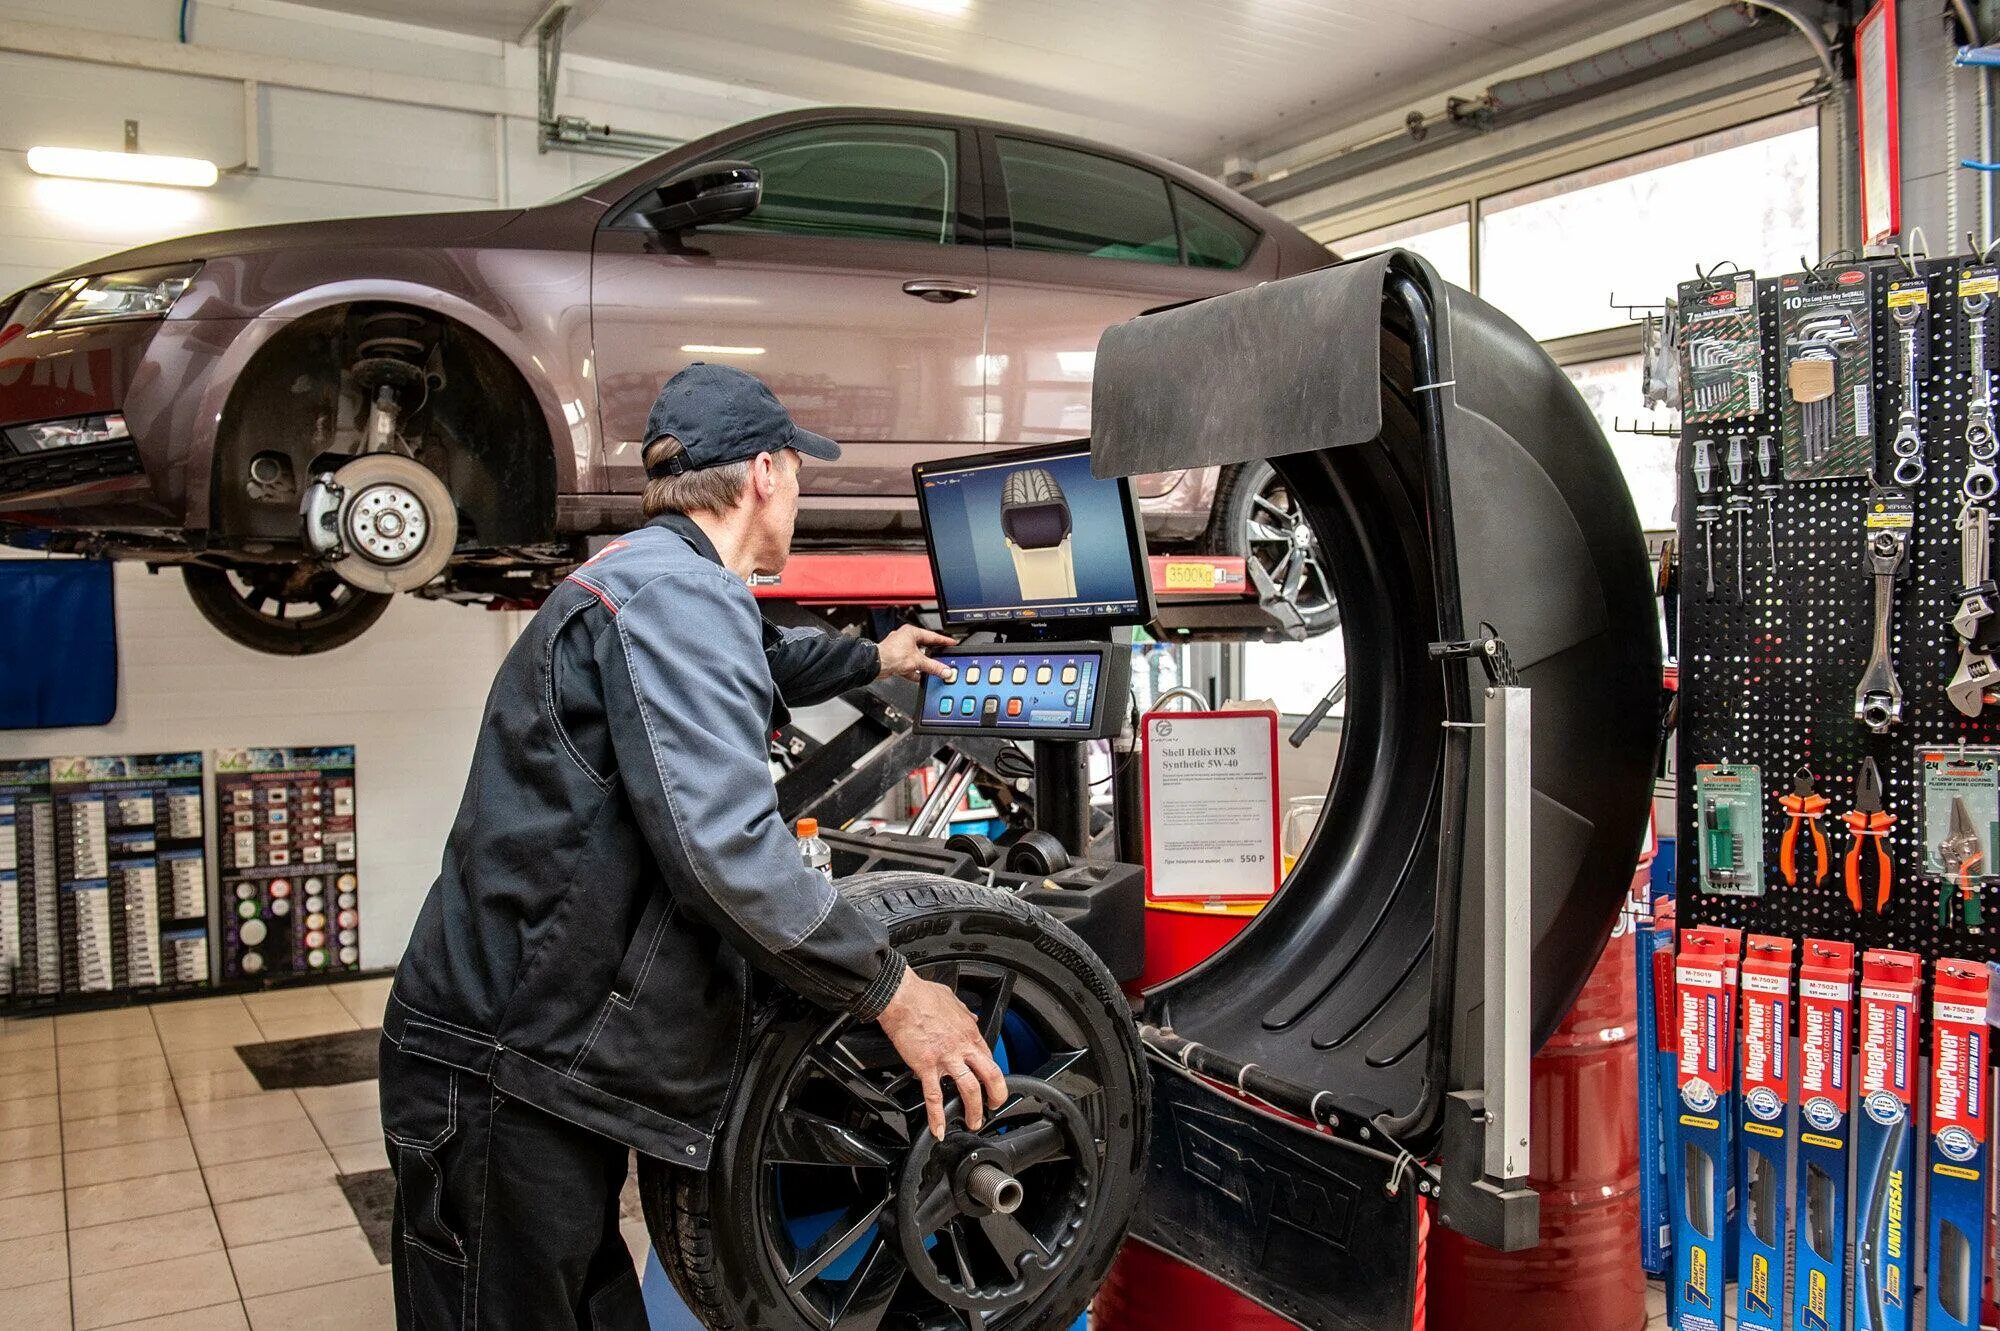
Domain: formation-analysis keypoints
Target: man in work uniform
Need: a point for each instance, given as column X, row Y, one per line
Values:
column 577, row 983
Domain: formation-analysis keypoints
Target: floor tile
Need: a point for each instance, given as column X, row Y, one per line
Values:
column 32, row 1260
column 365, row 999
column 42, row 1307
column 244, row 1111
column 146, row 1125
column 21, row 1061
column 291, row 1004
column 23, row 1085
column 177, row 1008
column 108, row 1164
column 29, row 1111
column 222, row 1317
column 125, row 1047
column 351, row 1305
column 268, row 1177
column 25, row 1143
column 285, row 1215
column 351, row 1128
column 128, row 1199
column 199, row 1087
column 223, row 1030
column 256, row 1141
column 17, row 1037
column 109, row 1100
column 298, row 1028
column 156, row 1238
column 347, row 1096
column 84, row 1027
column 121, row 1072
column 217, row 1058
column 310, row 1259
column 23, row 1216
column 148, row 1291
column 362, row 1156
column 22, row 1178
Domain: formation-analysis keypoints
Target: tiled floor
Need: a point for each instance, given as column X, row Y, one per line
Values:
column 147, row 1181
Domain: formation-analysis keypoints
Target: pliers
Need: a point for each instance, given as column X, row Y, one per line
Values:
column 1961, row 852
column 1803, row 805
column 1868, row 819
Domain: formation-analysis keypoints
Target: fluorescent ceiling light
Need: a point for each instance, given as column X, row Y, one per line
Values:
column 705, row 349
column 132, row 168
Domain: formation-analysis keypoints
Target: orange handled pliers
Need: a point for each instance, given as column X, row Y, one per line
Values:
column 1867, row 819
column 1803, row 805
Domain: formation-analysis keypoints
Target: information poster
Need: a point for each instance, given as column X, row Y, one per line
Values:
column 286, row 831
column 30, row 938
column 1211, row 805
column 133, row 885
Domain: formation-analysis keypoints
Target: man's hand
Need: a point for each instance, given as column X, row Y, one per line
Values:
column 903, row 654
column 937, row 1037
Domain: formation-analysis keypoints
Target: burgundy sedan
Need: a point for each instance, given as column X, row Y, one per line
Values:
column 309, row 418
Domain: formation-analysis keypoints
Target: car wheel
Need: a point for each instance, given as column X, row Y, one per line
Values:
column 283, row 609
column 1257, row 517
column 828, row 1205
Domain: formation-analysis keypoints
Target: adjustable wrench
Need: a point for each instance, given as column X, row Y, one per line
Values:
column 1908, row 445
column 1878, row 699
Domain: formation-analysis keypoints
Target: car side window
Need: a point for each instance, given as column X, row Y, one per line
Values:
column 883, row 182
column 1212, row 237
column 1079, row 203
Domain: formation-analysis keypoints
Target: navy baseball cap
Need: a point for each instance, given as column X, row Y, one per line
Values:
column 722, row 415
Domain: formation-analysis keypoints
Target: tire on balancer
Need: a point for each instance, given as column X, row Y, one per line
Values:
column 825, row 1124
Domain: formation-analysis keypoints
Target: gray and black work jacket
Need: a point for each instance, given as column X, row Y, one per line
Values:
column 619, row 865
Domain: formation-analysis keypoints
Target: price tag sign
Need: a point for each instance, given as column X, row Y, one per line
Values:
column 1211, row 805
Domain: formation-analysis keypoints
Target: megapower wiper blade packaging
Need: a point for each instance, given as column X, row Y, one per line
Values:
column 1960, row 1156
column 1819, row 1203
column 1763, row 1230
column 1705, row 1003
column 1885, row 1212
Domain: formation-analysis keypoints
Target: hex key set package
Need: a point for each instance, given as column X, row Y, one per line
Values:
column 1839, row 634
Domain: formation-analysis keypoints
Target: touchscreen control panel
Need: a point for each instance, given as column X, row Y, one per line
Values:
column 1051, row 690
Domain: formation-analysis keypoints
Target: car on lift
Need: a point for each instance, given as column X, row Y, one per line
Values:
column 308, row 418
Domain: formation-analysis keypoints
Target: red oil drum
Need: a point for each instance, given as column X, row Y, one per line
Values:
column 1584, row 1161
column 1181, row 935
column 1150, row 1291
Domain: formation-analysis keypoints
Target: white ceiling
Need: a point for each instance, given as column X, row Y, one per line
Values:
column 1186, row 78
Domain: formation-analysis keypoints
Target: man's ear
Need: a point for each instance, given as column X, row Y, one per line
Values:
column 764, row 474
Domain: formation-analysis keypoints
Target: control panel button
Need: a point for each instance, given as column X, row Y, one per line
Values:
column 1013, row 707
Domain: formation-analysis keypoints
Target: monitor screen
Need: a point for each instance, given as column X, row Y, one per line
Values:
column 1031, row 534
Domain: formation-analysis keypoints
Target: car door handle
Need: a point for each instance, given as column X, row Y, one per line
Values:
column 938, row 291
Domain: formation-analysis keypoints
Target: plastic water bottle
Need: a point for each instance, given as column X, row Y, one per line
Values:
column 815, row 852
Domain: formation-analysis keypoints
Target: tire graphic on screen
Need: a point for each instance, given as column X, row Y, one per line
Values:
column 1034, row 516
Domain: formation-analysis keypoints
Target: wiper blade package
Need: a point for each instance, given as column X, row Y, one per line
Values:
column 1705, row 978
column 1890, row 984
column 1826, row 1023
column 1762, row 1222
column 1960, row 1156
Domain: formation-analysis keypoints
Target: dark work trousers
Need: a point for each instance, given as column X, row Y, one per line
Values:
column 506, row 1216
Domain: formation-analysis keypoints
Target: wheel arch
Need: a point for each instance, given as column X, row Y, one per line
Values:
column 565, row 433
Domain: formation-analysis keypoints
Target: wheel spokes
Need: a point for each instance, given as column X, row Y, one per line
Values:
column 845, row 1233
column 872, row 1289
column 856, row 1083
column 1011, row 1241
column 996, row 1009
column 1064, row 1072
column 801, row 1137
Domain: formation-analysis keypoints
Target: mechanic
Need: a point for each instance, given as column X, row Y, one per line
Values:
column 579, row 981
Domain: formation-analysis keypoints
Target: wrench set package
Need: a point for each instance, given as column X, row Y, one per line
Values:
column 1828, row 397
column 1721, row 348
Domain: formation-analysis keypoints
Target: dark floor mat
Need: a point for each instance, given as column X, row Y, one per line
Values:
column 373, row 1197
column 315, row 1060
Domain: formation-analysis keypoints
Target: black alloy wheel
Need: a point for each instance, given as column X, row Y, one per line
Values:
column 283, row 609
column 828, row 1204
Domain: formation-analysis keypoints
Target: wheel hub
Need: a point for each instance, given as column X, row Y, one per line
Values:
column 386, row 524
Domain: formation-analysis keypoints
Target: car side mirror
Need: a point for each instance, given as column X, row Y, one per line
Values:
column 703, row 194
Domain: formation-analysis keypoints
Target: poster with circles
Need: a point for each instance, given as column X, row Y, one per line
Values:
column 290, row 887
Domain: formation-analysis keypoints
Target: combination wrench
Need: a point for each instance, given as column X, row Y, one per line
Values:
column 1908, row 445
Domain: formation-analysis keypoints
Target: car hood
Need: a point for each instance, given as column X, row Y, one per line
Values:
column 427, row 230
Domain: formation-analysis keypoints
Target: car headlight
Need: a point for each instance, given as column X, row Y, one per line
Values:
column 141, row 294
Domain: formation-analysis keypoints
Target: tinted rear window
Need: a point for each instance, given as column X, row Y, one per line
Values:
column 1074, row 202
column 887, row 182
column 1214, row 238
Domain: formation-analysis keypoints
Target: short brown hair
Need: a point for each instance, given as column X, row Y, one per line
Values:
column 709, row 490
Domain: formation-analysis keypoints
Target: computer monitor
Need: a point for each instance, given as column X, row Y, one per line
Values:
column 1028, row 536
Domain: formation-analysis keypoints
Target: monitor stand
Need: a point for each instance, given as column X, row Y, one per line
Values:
column 1062, row 782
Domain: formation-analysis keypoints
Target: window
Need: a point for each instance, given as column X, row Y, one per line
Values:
column 1444, row 238
column 1296, row 675
column 1079, row 203
column 1555, row 255
column 1213, row 238
column 1612, row 390
column 883, row 182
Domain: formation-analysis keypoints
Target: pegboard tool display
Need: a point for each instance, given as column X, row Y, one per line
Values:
column 1842, row 666
column 30, row 937
column 131, row 871
column 285, row 821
